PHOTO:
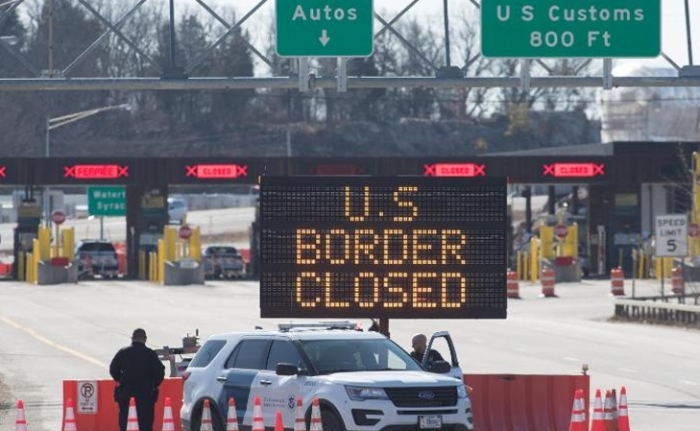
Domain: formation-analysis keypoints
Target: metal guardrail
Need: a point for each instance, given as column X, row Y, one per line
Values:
column 659, row 309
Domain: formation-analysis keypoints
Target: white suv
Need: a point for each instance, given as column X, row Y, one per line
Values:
column 363, row 380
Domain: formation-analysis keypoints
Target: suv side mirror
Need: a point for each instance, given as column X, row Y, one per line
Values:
column 440, row 367
column 286, row 369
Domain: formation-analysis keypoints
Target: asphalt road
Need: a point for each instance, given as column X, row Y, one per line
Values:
column 52, row 333
column 211, row 222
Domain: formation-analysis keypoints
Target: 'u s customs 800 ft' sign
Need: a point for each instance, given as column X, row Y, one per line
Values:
column 571, row 28
column 383, row 247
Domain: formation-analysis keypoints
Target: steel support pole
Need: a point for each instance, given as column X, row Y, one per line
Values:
column 446, row 19
column 46, row 200
column 688, row 32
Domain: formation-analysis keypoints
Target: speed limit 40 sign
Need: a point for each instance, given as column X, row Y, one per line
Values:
column 671, row 233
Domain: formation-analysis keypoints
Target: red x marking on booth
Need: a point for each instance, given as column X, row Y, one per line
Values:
column 91, row 172
column 218, row 171
column 574, row 170
column 3, row 171
column 455, row 170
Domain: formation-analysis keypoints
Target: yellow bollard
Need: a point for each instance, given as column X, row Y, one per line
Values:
column 534, row 260
column 547, row 242
column 44, row 250
column 68, row 242
column 169, row 243
column 36, row 258
column 196, row 244
column 526, row 266
column 161, row 261
column 21, row 264
column 142, row 265
column 518, row 266
column 570, row 242
column 30, row 268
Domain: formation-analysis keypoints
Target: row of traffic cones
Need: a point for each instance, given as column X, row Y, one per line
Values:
column 258, row 422
column 606, row 416
column 69, row 423
column 132, row 423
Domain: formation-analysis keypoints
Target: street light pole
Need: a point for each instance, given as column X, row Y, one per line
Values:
column 54, row 123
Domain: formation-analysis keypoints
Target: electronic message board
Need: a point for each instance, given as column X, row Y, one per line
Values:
column 383, row 247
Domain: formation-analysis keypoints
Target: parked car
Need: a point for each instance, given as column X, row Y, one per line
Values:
column 97, row 257
column 363, row 381
column 222, row 261
column 177, row 210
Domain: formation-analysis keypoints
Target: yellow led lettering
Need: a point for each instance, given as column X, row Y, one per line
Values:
column 394, row 290
column 338, row 235
column 330, row 303
column 308, row 245
column 365, row 243
column 417, row 247
column 452, row 242
column 358, row 290
column 348, row 204
column 446, row 287
column 418, row 300
column 413, row 210
column 401, row 240
column 306, row 276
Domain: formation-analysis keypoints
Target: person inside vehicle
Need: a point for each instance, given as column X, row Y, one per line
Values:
column 420, row 344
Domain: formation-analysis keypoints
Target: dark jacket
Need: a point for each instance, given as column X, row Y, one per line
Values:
column 137, row 369
column 433, row 355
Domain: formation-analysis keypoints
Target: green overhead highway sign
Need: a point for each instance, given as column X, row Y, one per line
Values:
column 325, row 28
column 108, row 201
column 570, row 28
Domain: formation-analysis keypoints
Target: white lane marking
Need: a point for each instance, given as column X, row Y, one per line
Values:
column 56, row 346
column 689, row 382
column 568, row 358
column 628, row 370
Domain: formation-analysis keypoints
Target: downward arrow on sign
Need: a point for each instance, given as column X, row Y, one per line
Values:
column 324, row 38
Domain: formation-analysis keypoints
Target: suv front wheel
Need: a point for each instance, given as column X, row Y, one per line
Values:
column 330, row 421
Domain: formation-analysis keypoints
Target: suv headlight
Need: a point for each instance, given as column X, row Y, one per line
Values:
column 462, row 391
column 359, row 393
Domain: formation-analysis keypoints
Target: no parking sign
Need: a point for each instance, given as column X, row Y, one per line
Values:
column 87, row 397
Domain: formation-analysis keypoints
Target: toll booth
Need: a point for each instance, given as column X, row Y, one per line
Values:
column 26, row 232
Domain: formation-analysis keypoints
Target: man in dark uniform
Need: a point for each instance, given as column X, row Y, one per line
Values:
column 420, row 344
column 138, row 372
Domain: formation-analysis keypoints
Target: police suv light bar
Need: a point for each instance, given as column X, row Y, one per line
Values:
column 285, row 327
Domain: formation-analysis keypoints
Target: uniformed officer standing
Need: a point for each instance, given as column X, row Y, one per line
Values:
column 138, row 372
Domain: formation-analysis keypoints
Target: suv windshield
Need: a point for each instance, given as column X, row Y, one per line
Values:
column 343, row 355
column 97, row 247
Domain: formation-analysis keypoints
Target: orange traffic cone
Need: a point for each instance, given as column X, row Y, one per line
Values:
column 258, row 422
column 69, row 420
column 206, row 424
column 316, row 424
column 21, row 421
column 607, row 410
column 299, row 421
column 612, row 425
column 279, row 423
column 623, row 420
column 168, row 421
column 232, row 418
column 132, row 421
column 578, row 416
column 598, row 420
